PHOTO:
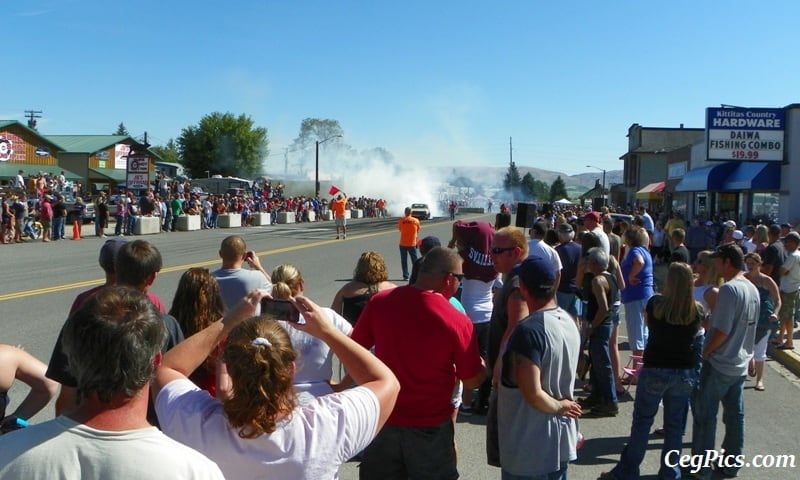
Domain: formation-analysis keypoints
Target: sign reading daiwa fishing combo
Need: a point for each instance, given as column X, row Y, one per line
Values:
column 748, row 134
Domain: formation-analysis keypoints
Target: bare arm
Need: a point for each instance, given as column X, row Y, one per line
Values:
column 599, row 289
column 336, row 305
column 254, row 263
column 774, row 293
column 527, row 375
column 638, row 265
column 516, row 310
column 617, row 272
column 184, row 358
column 20, row 365
column 363, row 367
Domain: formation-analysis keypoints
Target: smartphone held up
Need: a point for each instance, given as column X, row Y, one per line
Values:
column 278, row 309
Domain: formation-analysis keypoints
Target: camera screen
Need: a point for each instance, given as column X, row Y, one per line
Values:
column 279, row 310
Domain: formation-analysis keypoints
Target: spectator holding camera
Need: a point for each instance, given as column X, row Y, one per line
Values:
column 234, row 281
column 314, row 358
column 260, row 430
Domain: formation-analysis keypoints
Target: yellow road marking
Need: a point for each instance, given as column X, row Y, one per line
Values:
column 177, row 268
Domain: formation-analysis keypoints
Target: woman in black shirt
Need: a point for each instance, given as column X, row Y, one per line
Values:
column 668, row 375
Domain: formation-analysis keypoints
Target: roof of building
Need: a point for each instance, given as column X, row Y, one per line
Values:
column 15, row 123
column 87, row 143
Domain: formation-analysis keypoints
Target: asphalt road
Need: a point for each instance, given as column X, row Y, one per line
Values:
column 41, row 280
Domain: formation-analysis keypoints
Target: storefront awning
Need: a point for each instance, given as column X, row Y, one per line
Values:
column 706, row 179
column 754, row 176
column 9, row 170
column 651, row 191
column 118, row 176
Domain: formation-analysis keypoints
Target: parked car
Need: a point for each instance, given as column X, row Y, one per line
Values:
column 420, row 211
column 88, row 213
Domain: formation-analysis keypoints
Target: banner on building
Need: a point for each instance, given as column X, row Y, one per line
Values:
column 745, row 134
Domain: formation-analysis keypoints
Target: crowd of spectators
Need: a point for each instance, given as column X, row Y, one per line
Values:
column 545, row 299
column 43, row 215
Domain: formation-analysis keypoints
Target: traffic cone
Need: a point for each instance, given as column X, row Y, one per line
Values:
column 76, row 231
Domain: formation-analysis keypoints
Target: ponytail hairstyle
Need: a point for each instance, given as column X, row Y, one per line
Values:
column 260, row 361
column 286, row 281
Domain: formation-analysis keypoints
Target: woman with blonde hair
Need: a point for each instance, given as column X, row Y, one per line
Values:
column 369, row 277
column 260, row 431
column 197, row 304
column 770, row 298
column 669, row 373
column 314, row 363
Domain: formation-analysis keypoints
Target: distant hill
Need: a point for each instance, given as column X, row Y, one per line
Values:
column 493, row 176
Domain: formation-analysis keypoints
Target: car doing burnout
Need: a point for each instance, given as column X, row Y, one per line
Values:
column 420, row 211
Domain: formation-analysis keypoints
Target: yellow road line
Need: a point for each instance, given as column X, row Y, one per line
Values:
column 177, row 268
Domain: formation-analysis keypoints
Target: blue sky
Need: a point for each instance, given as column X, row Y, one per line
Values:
column 433, row 82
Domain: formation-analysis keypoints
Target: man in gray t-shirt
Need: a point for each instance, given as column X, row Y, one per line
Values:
column 727, row 351
column 535, row 403
column 234, row 281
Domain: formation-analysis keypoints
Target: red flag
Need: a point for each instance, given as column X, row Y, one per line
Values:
column 333, row 191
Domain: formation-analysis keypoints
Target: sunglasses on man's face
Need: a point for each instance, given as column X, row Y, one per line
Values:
column 499, row 250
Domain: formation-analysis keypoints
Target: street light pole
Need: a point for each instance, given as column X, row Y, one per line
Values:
column 316, row 164
column 603, row 193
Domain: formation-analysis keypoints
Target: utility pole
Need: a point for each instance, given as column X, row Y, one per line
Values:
column 510, row 154
column 32, row 115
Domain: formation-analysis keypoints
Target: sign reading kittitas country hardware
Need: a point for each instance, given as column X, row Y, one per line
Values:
column 746, row 134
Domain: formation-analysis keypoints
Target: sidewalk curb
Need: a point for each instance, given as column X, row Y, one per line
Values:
column 788, row 358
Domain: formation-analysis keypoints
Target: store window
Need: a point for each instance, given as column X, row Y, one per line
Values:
column 765, row 205
column 728, row 206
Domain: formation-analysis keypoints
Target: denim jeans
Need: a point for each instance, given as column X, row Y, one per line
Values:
column 118, row 229
column 404, row 253
column 58, row 228
column 715, row 388
column 130, row 227
column 561, row 474
column 674, row 387
column 570, row 302
column 602, row 375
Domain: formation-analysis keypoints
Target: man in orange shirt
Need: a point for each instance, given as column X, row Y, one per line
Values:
column 338, row 207
column 409, row 228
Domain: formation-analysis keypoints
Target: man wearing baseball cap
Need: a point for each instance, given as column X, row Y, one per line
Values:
column 790, row 289
column 592, row 223
column 727, row 352
column 537, row 374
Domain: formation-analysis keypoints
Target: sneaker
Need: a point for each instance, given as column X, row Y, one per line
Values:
column 603, row 410
column 337, row 237
column 464, row 410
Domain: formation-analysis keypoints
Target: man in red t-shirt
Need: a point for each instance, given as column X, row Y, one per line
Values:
column 428, row 345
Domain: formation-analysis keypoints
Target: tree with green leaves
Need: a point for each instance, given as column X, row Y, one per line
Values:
column 512, row 181
column 314, row 130
column 224, row 144
column 167, row 153
column 558, row 190
column 533, row 189
column 121, row 130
